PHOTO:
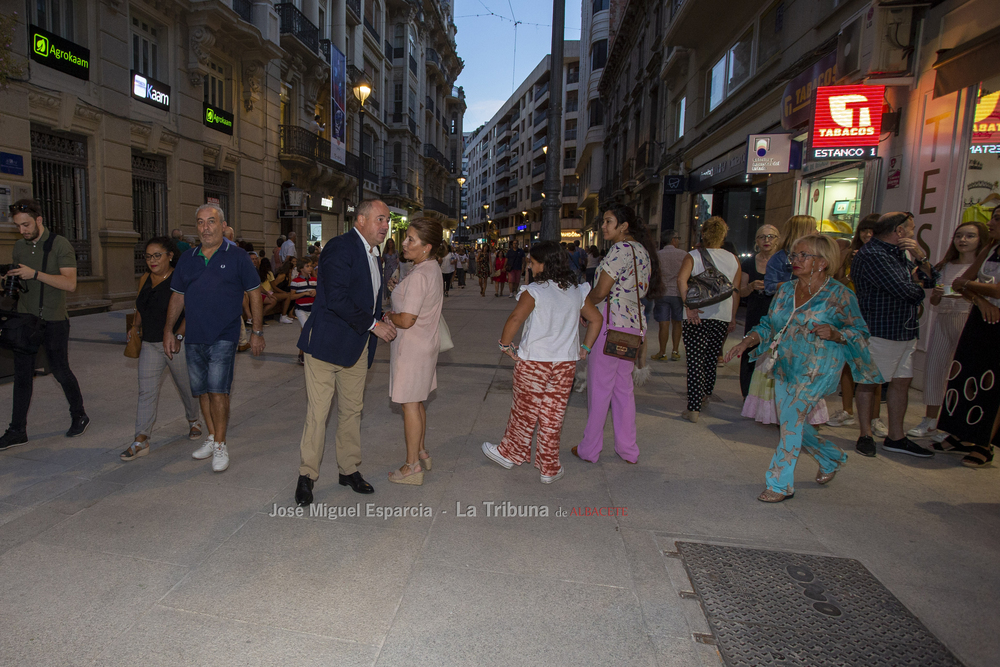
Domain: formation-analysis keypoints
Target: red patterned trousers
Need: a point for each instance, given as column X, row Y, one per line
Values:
column 541, row 392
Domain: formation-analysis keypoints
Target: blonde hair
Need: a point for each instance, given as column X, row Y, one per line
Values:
column 824, row 247
column 796, row 227
column 713, row 232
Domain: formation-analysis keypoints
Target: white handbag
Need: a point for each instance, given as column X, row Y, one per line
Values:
column 445, row 333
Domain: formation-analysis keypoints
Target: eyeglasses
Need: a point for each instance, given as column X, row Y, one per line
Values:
column 21, row 208
column 156, row 255
column 799, row 255
column 768, row 237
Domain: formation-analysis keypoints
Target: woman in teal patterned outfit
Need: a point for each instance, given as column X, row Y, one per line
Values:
column 824, row 331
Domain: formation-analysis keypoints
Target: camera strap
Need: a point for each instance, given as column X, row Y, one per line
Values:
column 46, row 248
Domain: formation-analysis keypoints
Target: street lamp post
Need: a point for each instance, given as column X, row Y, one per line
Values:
column 461, row 226
column 362, row 89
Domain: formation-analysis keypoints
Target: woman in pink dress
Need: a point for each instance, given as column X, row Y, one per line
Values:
column 416, row 310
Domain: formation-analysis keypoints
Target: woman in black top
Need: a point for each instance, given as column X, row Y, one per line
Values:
column 150, row 317
column 752, row 289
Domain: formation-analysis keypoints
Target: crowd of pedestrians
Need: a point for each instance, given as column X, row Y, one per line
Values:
column 821, row 313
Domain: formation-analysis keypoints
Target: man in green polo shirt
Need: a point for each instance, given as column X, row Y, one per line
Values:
column 56, row 277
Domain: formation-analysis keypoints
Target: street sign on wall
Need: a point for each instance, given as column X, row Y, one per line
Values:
column 846, row 123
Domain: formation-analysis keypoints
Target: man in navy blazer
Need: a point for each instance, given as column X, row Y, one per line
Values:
column 338, row 342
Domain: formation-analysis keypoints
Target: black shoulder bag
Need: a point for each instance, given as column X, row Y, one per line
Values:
column 24, row 332
column 709, row 287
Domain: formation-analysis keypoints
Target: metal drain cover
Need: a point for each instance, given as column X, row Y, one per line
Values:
column 784, row 609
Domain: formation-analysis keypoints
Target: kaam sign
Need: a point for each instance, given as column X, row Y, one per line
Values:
column 846, row 123
column 769, row 153
column 150, row 91
column 58, row 53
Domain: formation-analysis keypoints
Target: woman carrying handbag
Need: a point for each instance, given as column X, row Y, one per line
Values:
column 623, row 278
column 151, row 308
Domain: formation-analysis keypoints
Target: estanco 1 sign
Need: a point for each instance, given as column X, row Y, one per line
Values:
column 846, row 123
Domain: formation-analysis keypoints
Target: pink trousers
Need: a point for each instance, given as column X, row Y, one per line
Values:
column 609, row 384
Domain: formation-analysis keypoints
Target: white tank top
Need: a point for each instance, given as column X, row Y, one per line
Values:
column 552, row 330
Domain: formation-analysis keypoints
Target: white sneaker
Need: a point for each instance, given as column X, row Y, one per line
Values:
column 927, row 426
column 548, row 479
column 285, row 319
column 879, row 429
column 493, row 454
column 205, row 450
column 220, row 457
column 841, row 418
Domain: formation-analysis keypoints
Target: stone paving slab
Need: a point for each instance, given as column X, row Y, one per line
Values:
column 186, row 567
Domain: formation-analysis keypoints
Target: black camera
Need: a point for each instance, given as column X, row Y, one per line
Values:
column 10, row 288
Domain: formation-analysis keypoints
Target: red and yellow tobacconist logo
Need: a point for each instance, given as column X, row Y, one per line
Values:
column 847, row 116
column 986, row 121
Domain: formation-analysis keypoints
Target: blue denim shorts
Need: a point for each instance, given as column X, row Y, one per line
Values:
column 665, row 309
column 210, row 367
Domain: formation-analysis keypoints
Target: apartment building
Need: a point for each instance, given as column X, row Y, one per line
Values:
column 130, row 115
column 595, row 27
column 506, row 158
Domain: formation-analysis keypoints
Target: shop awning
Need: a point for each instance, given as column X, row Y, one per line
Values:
column 967, row 64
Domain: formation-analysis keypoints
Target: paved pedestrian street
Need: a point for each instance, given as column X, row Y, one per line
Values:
column 160, row 561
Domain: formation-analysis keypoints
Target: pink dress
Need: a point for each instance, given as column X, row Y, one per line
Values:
column 414, row 352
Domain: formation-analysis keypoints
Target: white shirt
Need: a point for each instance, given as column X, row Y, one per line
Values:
column 552, row 330
column 287, row 250
column 725, row 262
column 376, row 274
column 448, row 263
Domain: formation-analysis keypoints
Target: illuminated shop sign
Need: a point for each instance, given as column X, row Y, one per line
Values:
column 769, row 153
column 150, row 91
column 986, row 123
column 217, row 119
column 58, row 53
column 846, row 122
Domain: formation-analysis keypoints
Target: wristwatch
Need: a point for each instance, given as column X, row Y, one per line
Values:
column 257, row 333
column 179, row 336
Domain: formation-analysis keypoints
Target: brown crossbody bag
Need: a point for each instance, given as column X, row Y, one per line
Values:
column 622, row 344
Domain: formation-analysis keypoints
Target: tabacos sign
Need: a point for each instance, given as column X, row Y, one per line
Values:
column 150, row 91
column 217, row 119
column 847, row 121
column 60, row 54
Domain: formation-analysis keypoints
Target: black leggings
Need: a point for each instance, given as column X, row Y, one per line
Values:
column 56, row 344
column 702, row 346
column 447, row 280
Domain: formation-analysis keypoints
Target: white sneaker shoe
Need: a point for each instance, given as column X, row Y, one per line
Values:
column 841, row 418
column 493, row 454
column 220, row 457
column 548, row 479
column 879, row 429
column 927, row 426
column 285, row 319
column 205, row 450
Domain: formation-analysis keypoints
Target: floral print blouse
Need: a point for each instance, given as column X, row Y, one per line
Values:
column 626, row 311
column 805, row 360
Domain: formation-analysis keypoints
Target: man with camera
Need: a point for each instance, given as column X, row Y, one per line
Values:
column 46, row 265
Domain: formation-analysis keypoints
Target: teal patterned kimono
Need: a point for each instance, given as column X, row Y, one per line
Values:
column 807, row 368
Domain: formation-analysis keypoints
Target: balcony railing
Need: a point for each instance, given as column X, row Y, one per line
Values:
column 539, row 169
column 355, row 6
column 370, row 28
column 541, row 141
column 570, row 134
column 435, row 204
column 429, row 103
column 502, row 149
column 573, row 76
column 504, row 168
column 324, row 49
column 433, row 57
column 571, row 190
column 413, row 65
column 501, row 188
column 569, row 163
column 300, row 142
column 514, row 137
column 388, row 49
column 244, row 8
column 295, row 23
column 541, row 117
column 515, row 116
column 541, row 90
column 536, row 195
column 431, row 151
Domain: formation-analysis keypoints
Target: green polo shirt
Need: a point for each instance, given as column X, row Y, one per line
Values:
column 62, row 256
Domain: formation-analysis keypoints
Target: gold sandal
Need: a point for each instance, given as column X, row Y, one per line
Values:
column 825, row 477
column 769, row 496
column 425, row 461
column 415, row 476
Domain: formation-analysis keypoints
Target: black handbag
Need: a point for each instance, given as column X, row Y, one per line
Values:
column 24, row 332
column 709, row 287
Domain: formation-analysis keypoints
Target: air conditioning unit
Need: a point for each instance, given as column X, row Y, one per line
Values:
column 876, row 42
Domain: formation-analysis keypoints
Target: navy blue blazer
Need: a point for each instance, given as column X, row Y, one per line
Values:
column 337, row 329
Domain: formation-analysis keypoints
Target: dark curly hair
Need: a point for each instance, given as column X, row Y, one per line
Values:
column 167, row 244
column 555, row 259
column 640, row 232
